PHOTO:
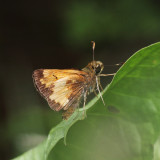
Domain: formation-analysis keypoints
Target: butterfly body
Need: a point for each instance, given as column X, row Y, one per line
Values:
column 63, row 89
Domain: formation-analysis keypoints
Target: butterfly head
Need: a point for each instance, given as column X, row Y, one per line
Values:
column 96, row 67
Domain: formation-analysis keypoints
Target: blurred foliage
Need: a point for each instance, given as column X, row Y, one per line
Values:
column 111, row 20
column 38, row 34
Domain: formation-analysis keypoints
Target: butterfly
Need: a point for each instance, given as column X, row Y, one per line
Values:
column 64, row 88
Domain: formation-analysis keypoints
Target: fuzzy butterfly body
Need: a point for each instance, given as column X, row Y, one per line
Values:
column 63, row 89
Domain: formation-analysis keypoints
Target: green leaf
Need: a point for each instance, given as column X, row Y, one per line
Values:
column 128, row 128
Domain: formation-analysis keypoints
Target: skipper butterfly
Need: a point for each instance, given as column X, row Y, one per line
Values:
column 64, row 88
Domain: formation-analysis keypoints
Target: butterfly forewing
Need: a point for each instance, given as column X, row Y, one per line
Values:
column 61, row 88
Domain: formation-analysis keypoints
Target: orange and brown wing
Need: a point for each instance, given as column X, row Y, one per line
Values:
column 61, row 88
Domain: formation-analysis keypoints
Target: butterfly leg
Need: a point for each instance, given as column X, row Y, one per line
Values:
column 84, row 111
column 101, row 75
column 99, row 83
column 99, row 90
column 101, row 86
column 95, row 93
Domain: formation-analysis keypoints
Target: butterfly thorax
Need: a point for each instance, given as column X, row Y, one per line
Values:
column 93, row 69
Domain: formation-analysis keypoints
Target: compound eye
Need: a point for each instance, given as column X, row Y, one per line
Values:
column 98, row 69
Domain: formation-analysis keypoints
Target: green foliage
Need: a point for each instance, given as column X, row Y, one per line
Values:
column 128, row 128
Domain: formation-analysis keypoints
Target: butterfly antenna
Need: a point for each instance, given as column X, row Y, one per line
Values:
column 93, row 48
column 118, row 64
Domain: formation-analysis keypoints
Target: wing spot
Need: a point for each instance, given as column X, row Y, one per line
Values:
column 55, row 76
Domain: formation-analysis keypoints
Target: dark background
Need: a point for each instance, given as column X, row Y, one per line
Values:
column 57, row 34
